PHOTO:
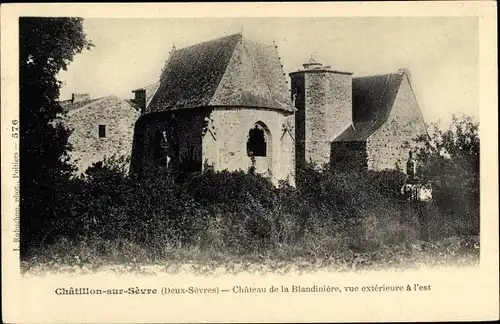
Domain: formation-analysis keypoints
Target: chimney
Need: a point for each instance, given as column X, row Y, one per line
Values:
column 140, row 99
column 79, row 97
column 312, row 64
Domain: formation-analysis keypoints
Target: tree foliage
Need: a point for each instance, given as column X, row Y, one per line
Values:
column 449, row 160
column 46, row 46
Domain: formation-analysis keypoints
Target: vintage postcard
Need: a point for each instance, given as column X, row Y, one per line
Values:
column 254, row 162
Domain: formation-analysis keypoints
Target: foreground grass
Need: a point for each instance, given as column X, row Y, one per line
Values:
column 124, row 257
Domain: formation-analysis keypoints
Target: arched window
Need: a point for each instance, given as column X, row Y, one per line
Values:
column 256, row 143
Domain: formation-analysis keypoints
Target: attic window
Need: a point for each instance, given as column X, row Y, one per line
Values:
column 102, row 131
column 256, row 144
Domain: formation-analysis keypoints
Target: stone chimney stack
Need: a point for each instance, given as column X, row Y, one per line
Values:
column 140, row 99
column 79, row 97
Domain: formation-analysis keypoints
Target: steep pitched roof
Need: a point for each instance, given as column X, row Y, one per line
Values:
column 229, row 71
column 372, row 101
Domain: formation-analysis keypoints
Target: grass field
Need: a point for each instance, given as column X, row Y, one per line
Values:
column 64, row 257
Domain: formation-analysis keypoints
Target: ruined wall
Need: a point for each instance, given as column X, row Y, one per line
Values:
column 170, row 139
column 389, row 146
column 349, row 156
column 187, row 129
column 323, row 113
column 224, row 146
column 116, row 114
column 145, row 142
column 218, row 137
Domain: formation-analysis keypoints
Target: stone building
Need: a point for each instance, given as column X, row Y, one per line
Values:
column 225, row 103
column 356, row 123
column 100, row 128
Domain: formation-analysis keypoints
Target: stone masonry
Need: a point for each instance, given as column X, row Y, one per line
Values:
column 389, row 146
column 323, row 99
column 213, row 97
column 99, row 128
column 230, row 135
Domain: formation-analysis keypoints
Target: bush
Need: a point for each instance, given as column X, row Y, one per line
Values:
column 330, row 213
column 366, row 207
column 449, row 161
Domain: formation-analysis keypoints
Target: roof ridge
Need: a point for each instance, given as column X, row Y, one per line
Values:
column 197, row 76
column 377, row 75
column 91, row 101
column 208, row 41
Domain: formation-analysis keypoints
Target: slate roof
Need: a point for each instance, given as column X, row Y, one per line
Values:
column 229, row 71
column 372, row 100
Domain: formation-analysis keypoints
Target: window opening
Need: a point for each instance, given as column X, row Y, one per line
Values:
column 102, row 131
column 256, row 144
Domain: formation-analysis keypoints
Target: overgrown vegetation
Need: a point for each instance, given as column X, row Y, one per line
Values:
column 449, row 160
column 108, row 215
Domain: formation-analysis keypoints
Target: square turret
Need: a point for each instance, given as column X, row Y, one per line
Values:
column 323, row 99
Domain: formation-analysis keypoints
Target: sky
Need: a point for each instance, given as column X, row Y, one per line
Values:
column 441, row 53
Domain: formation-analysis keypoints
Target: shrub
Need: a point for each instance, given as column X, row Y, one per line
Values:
column 449, row 160
column 330, row 213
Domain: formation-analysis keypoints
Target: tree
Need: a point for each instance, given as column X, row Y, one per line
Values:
column 449, row 160
column 46, row 45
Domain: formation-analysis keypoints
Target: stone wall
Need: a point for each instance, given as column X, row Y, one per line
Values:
column 389, row 146
column 189, row 127
column 323, row 113
column 116, row 114
column 298, row 96
column 224, row 146
column 349, row 156
column 148, row 131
